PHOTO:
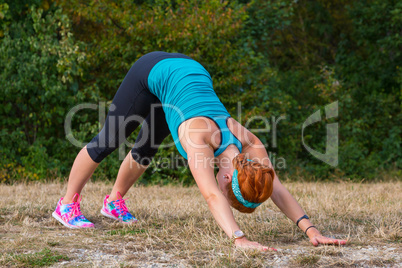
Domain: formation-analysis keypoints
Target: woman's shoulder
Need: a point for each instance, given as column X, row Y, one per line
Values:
column 245, row 136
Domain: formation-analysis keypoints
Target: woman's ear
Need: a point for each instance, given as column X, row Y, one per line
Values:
column 227, row 177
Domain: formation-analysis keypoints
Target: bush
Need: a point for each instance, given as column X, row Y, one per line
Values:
column 279, row 58
column 40, row 63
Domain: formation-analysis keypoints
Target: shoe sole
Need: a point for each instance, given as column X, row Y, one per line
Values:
column 104, row 213
column 57, row 217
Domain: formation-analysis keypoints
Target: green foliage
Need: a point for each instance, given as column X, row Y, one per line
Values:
column 368, row 61
column 279, row 58
column 326, row 51
column 40, row 64
column 118, row 33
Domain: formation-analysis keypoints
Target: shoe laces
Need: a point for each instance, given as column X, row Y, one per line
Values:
column 121, row 206
column 76, row 209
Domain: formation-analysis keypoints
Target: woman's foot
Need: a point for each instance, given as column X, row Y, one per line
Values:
column 117, row 210
column 70, row 214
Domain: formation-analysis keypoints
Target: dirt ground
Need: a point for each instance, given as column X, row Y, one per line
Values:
column 176, row 229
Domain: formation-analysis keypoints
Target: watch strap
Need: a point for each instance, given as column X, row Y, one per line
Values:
column 302, row 217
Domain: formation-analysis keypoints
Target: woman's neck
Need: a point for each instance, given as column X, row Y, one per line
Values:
column 225, row 159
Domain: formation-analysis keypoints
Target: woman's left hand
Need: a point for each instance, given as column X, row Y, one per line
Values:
column 316, row 238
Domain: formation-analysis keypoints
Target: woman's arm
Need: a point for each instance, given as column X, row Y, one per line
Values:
column 201, row 166
column 281, row 196
column 199, row 162
column 289, row 206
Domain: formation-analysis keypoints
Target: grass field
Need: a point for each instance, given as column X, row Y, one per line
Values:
column 176, row 229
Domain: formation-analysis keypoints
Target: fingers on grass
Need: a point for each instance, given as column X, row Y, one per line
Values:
column 268, row 249
column 334, row 242
column 340, row 242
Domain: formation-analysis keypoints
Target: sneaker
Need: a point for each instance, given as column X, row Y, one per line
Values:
column 70, row 214
column 117, row 210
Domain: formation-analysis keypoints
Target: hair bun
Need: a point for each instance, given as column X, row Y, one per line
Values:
column 255, row 181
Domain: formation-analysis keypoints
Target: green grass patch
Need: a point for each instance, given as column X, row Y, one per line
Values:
column 126, row 231
column 42, row 258
column 307, row 260
column 53, row 244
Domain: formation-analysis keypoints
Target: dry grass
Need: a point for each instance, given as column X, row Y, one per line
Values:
column 175, row 228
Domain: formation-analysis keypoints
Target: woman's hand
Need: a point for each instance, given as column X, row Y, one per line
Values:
column 244, row 243
column 316, row 238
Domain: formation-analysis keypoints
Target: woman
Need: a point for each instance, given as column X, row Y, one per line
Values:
column 172, row 93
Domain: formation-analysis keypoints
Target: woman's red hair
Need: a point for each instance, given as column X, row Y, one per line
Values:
column 255, row 181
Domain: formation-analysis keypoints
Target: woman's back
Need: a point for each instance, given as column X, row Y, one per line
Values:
column 185, row 90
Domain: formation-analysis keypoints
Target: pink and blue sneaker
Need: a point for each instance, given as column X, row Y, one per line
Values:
column 117, row 210
column 70, row 214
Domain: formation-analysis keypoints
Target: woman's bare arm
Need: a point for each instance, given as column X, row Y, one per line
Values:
column 200, row 165
column 281, row 196
column 199, row 162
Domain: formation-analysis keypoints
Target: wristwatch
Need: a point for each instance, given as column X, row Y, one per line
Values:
column 238, row 234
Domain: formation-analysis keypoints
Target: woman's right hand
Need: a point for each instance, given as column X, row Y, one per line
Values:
column 246, row 244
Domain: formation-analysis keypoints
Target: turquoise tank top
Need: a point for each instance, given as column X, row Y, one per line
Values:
column 185, row 90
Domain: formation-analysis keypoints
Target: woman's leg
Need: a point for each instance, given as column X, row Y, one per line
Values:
column 128, row 174
column 81, row 171
column 131, row 104
column 153, row 131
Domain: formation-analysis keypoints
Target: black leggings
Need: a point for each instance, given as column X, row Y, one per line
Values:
column 132, row 105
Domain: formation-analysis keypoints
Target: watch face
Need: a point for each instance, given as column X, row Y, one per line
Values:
column 238, row 233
